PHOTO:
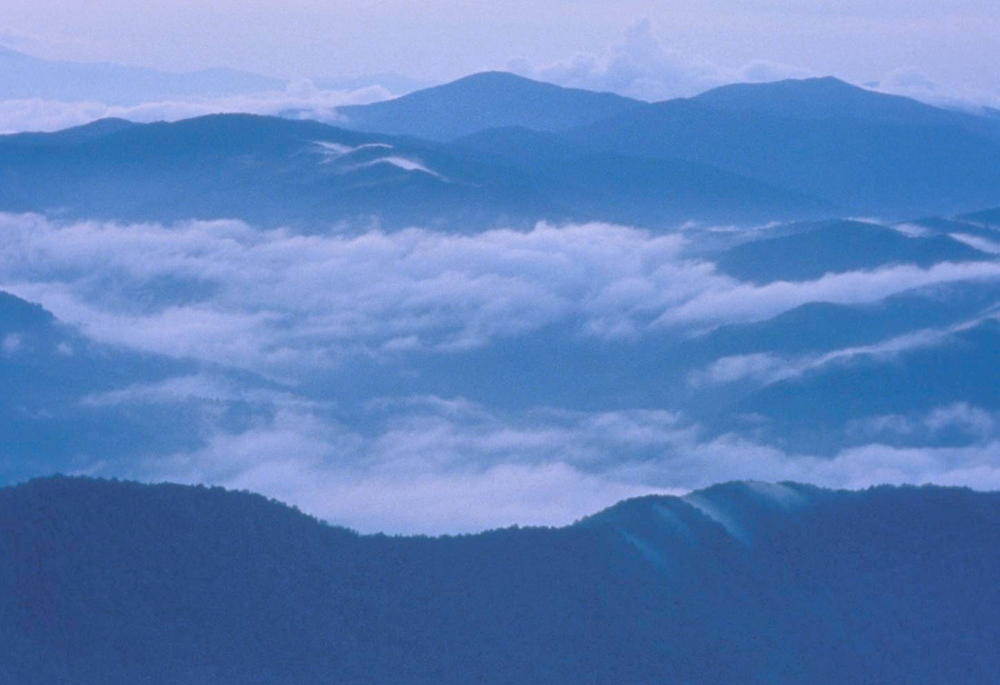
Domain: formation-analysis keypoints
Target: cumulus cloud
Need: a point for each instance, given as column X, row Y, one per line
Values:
column 642, row 67
column 300, row 100
column 914, row 84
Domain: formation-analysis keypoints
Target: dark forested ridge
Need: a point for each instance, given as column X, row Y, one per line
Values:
column 111, row 582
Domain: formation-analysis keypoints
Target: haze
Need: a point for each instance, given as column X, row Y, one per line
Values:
column 917, row 43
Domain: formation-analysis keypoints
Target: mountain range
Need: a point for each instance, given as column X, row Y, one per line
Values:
column 495, row 148
column 26, row 77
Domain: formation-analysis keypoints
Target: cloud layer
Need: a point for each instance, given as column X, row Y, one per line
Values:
column 279, row 303
column 446, row 466
column 303, row 308
column 300, row 100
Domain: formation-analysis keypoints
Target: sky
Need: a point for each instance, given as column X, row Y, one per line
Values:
column 945, row 41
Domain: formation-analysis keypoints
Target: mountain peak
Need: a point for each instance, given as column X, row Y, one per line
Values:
column 491, row 99
column 829, row 98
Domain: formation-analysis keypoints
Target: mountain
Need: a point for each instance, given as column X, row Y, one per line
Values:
column 63, row 397
column 113, row 582
column 830, row 99
column 990, row 217
column 964, row 367
column 278, row 172
column 646, row 191
column 77, row 134
column 266, row 170
column 24, row 76
column 839, row 247
column 484, row 101
column 879, row 157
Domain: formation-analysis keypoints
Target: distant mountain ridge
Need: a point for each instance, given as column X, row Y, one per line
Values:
column 868, row 165
column 484, row 101
column 829, row 98
column 496, row 148
column 270, row 171
column 110, row 582
column 24, row 76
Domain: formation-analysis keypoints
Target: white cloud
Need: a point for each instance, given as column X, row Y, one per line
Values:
column 749, row 302
column 301, row 100
column 288, row 305
column 642, row 67
column 978, row 242
column 195, row 387
column 914, row 84
column 273, row 299
column 435, row 466
column 962, row 416
column 11, row 343
column 765, row 368
column 283, row 304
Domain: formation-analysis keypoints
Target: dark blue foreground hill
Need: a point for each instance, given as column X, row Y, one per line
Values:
column 110, row 582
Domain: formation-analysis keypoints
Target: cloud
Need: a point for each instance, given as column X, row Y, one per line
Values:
column 10, row 343
column 432, row 465
column 228, row 293
column 642, row 67
column 284, row 304
column 765, row 368
column 305, row 307
column 982, row 244
column 914, row 84
column 202, row 387
column 447, row 466
column 300, row 100
column 749, row 302
column 968, row 421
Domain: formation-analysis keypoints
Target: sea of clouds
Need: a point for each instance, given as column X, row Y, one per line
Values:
column 299, row 311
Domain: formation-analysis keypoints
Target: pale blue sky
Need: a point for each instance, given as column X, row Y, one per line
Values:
column 951, row 41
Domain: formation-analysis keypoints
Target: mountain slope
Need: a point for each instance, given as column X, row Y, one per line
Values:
column 64, row 398
column 831, row 99
column 261, row 169
column 107, row 582
column 839, row 247
column 483, row 101
column 870, row 164
column 274, row 171
column 635, row 189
